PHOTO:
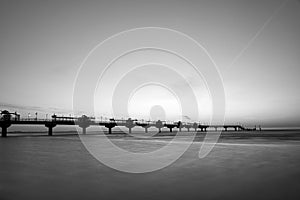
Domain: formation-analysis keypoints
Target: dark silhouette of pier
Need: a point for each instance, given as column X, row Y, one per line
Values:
column 8, row 119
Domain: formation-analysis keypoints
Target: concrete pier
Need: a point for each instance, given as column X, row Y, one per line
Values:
column 7, row 119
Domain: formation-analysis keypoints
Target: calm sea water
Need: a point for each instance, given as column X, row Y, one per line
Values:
column 59, row 167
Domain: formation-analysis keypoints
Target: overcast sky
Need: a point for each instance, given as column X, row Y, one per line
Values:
column 255, row 44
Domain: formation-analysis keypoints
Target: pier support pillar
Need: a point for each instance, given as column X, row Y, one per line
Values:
column 225, row 128
column 235, row 128
column 146, row 130
column 83, row 130
column 84, row 126
column 50, row 127
column 188, row 129
column 4, row 127
column 130, row 127
column 50, row 131
column 4, row 131
column 83, row 122
column 110, row 126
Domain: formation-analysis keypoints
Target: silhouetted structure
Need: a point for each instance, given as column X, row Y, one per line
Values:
column 7, row 119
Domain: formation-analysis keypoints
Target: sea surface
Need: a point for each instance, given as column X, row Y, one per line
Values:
column 242, row 165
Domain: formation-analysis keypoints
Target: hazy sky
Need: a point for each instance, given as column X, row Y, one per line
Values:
column 255, row 44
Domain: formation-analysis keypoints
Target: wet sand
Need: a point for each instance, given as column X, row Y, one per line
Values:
column 246, row 166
